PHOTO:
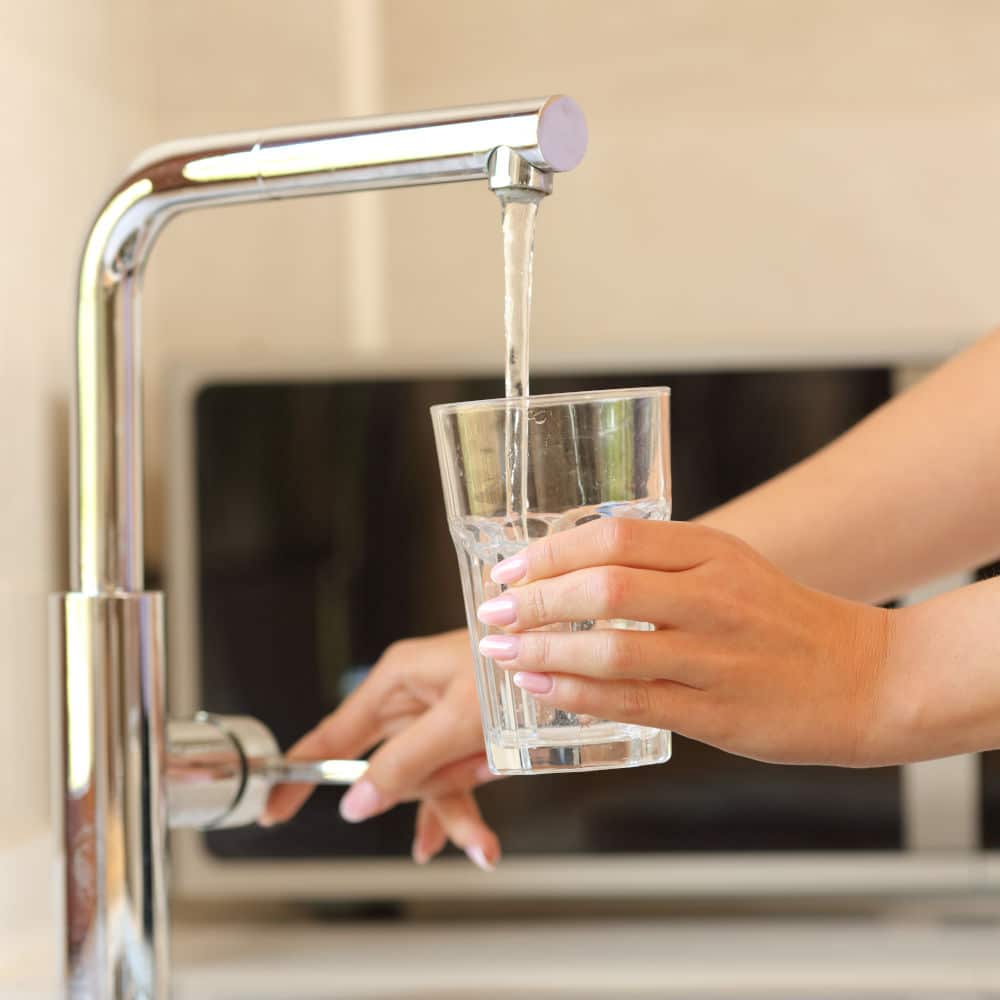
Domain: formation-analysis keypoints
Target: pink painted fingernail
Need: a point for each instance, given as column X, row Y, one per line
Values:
column 500, row 647
column 498, row 611
column 534, row 683
column 361, row 801
column 478, row 857
column 484, row 774
column 510, row 570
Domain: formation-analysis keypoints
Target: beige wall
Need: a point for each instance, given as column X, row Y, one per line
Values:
column 765, row 179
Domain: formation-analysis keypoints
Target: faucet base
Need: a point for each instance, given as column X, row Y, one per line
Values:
column 108, row 657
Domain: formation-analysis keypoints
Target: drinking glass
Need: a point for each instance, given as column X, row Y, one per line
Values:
column 516, row 470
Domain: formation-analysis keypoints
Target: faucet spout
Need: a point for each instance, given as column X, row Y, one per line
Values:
column 511, row 173
column 108, row 630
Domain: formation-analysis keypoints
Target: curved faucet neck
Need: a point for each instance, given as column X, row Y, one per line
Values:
column 532, row 139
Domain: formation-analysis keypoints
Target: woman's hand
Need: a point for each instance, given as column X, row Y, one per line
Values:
column 742, row 657
column 420, row 699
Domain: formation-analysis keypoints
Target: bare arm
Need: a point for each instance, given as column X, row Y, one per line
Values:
column 908, row 495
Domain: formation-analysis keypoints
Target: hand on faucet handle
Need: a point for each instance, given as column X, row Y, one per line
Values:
column 419, row 702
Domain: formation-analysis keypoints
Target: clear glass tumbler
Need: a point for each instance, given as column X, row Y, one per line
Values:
column 515, row 470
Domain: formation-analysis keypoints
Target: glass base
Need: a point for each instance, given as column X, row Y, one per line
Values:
column 562, row 748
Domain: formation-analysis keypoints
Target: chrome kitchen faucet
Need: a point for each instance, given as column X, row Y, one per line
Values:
column 128, row 773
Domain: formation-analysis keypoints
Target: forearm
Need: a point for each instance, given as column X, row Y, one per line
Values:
column 906, row 496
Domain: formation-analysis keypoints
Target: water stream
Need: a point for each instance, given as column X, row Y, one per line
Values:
column 519, row 210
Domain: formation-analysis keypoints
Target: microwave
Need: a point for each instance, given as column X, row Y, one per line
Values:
column 296, row 503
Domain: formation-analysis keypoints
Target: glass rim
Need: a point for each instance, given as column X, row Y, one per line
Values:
column 553, row 399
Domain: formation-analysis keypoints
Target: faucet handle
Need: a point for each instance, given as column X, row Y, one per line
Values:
column 315, row 772
column 221, row 769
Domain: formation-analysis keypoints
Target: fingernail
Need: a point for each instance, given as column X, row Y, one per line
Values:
column 500, row 647
column 484, row 774
column 420, row 855
column 361, row 801
column 510, row 570
column 267, row 820
column 478, row 857
column 534, row 683
column 498, row 611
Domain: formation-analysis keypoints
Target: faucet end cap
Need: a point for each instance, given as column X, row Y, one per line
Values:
column 562, row 133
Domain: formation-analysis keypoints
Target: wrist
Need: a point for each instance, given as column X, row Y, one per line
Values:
column 877, row 723
column 941, row 683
